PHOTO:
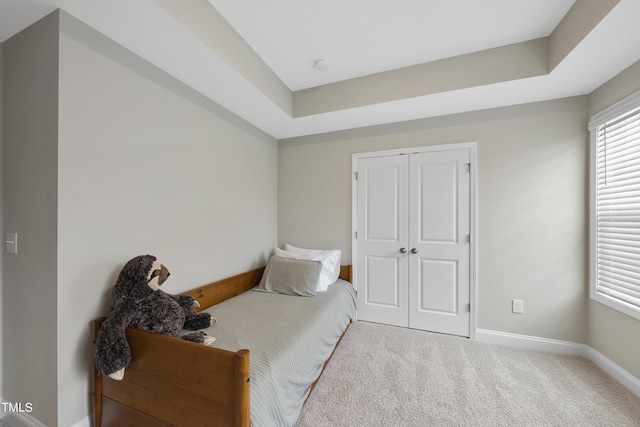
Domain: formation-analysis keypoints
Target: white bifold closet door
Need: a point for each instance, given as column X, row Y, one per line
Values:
column 413, row 241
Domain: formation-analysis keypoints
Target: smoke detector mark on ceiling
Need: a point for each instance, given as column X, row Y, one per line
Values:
column 322, row 65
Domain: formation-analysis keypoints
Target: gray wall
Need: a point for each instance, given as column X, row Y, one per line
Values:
column 146, row 166
column 532, row 189
column 30, row 195
column 1, row 210
column 612, row 333
column 115, row 159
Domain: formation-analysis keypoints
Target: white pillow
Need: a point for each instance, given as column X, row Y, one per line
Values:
column 330, row 260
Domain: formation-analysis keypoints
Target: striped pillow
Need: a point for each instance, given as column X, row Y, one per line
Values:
column 290, row 276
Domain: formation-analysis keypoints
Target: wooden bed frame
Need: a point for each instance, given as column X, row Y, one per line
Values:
column 173, row 382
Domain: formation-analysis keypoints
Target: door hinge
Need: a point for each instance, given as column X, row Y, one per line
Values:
column 468, row 238
column 468, row 308
column 469, row 167
column 356, row 174
column 355, row 235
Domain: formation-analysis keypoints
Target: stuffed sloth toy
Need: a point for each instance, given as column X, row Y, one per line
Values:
column 138, row 302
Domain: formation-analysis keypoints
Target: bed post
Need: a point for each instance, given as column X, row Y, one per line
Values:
column 346, row 273
column 97, row 381
column 97, row 399
column 242, row 389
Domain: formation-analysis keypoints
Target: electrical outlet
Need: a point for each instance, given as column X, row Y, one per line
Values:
column 517, row 306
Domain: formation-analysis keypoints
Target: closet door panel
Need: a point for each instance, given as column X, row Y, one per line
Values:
column 438, row 285
column 437, row 207
column 382, row 232
column 439, row 240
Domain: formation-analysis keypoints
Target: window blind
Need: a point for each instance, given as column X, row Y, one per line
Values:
column 618, row 210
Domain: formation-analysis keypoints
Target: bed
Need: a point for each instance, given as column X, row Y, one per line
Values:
column 173, row 382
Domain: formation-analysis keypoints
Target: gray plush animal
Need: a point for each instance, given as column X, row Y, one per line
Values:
column 138, row 302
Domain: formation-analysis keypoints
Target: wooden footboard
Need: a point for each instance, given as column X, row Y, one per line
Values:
column 173, row 382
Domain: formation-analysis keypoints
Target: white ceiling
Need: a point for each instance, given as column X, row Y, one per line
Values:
column 361, row 37
column 357, row 37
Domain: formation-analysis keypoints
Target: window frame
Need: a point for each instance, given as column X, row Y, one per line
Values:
column 620, row 108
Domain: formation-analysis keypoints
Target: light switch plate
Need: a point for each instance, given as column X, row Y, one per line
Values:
column 12, row 243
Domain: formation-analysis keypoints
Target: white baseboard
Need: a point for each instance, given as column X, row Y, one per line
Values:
column 531, row 343
column 23, row 416
column 86, row 422
column 33, row 422
column 562, row 347
column 28, row 420
column 614, row 370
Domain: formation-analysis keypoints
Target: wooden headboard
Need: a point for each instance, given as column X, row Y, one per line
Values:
column 222, row 290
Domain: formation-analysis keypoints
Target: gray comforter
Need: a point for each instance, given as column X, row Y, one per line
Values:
column 289, row 338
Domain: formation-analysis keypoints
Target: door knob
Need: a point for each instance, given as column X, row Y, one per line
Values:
column 403, row 250
column 414, row 251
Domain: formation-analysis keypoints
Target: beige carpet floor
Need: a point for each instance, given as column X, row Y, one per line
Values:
column 387, row 376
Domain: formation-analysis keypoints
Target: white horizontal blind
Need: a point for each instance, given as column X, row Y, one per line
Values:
column 617, row 210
